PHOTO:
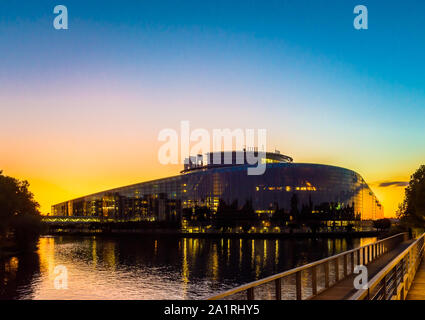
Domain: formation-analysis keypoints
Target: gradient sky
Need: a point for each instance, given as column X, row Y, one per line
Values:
column 81, row 108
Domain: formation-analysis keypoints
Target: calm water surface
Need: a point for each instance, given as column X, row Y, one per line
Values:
column 155, row 268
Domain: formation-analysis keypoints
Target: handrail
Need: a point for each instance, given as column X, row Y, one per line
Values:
column 373, row 250
column 403, row 258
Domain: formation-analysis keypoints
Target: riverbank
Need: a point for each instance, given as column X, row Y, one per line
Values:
column 8, row 249
column 215, row 235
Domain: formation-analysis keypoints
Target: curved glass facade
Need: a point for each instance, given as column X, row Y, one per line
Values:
column 313, row 185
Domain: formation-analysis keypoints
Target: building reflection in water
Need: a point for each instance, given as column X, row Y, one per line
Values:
column 94, row 253
column 155, row 268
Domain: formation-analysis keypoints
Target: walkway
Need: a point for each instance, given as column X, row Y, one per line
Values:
column 344, row 289
column 417, row 290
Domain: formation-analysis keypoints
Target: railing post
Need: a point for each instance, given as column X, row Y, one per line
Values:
column 298, row 285
column 369, row 254
column 326, row 266
column 278, row 284
column 385, row 287
column 345, row 265
column 369, row 250
column 250, row 293
column 407, row 264
column 336, row 270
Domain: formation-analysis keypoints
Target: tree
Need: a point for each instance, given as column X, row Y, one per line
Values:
column 247, row 217
column 412, row 210
column 231, row 216
column 382, row 224
column 225, row 215
column 314, row 225
column 294, row 207
column 202, row 213
column 19, row 214
column 349, row 227
column 280, row 217
column 187, row 213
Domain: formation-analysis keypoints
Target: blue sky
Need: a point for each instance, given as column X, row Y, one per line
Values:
column 326, row 92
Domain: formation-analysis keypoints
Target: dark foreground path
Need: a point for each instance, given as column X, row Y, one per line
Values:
column 417, row 290
column 345, row 289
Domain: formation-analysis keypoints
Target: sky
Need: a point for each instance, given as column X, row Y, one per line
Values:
column 81, row 109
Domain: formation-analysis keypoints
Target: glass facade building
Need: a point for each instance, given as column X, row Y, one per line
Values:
column 205, row 185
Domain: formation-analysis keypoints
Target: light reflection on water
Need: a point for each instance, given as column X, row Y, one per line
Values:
column 155, row 268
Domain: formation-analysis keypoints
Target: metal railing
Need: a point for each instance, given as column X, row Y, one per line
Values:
column 395, row 279
column 307, row 281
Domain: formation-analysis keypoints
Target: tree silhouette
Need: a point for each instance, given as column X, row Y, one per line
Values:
column 382, row 224
column 19, row 214
column 202, row 213
column 294, row 207
column 412, row 210
column 279, row 217
column 230, row 216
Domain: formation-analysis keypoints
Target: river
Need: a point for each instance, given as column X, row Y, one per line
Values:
column 140, row 267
